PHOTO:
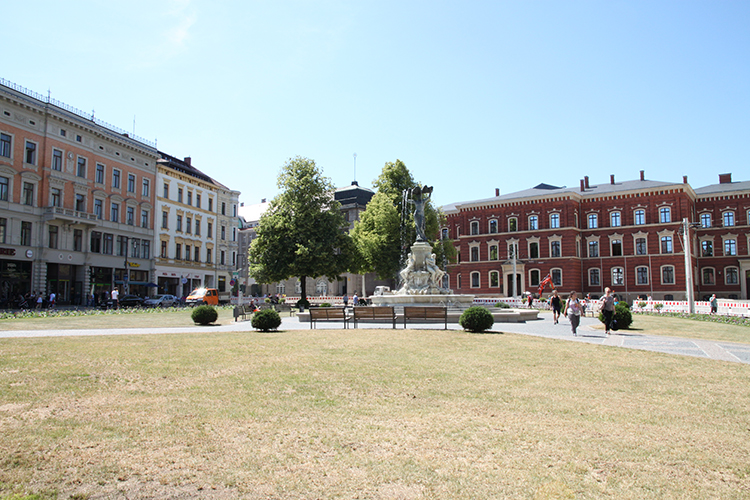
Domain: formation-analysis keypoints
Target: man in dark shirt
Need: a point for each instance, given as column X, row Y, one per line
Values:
column 556, row 303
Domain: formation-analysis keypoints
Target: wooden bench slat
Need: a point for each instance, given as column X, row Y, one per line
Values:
column 374, row 313
column 328, row 314
column 426, row 314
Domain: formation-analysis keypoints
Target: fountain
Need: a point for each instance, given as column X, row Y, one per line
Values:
column 421, row 278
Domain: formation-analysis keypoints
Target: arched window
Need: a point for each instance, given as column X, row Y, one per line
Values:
column 730, row 247
column 534, row 277
column 618, row 276
column 533, row 223
column 494, row 279
column 321, row 287
column 665, row 214
column 493, row 252
column 666, row 244
column 641, row 275
column 709, row 276
column 493, row 226
column 280, row 289
column 513, row 224
column 593, row 221
column 556, row 277
column 593, row 249
column 705, row 220
column 474, row 227
column 667, row 275
column 731, row 275
column 475, row 279
column 594, row 276
column 615, row 219
column 639, row 217
column 707, row 248
column 728, row 218
column 474, row 254
column 554, row 221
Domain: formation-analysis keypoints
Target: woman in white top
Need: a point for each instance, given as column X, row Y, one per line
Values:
column 573, row 311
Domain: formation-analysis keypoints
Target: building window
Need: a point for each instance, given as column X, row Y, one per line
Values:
column 707, row 248
column 146, row 249
column 223, row 232
column 146, row 188
column 208, row 255
column 179, row 195
column 77, row 240
column 641, row 275
column 615, row 219
column 618, row 276
column 57, row 159
column 594, row 277
column 222, row 259
column 115, row 212
column 96, row 242
column 534, row 277
column 475, row 280
column 665, row 214
column 512, row 250
column 616, row 248
column 533, row 250
column 115, row 179
column 554, row 221
column 210, row 204
column 81, row 169
column 53, row 233
column 474, row 252
column 130, row 216
column 731, row 275
column 667, row 275
column 493, row 252
column 163, row 250
column 640, row 246
column 730, row 247
column 187, row 252
column 122, row 246
column 166, row 190
column 705, row 220
column 223, row 208
column 26, row 234
column 444, row 234
column 99, row 209
column 179, row 223
column 474, row 227
column 197, row 227
column 99, row 173
column 728, row 218
column 3, row 229
column 593, row 249
column 639, row 217
column 4, row 188
column 554, row 249
column 5, row 148
column 164, row 220
column 708, row 276
column 280, row 287
column 197, row 254
column 593, row 221
column 493, row 226
column 80, row 203
column 189, row 225
column 494, row 279
column 30, row 156
column 189, row 197
column 56, row 196
column 109, row 244
column 666, row 244
column 209, row 230
column 178, row 251
column 131, row 183
column 198, row 200
column 321, row 287
column 144, row 218
column 28, row 193
column 513, row 224
column 136, row 250
column 533, row 223
column 557, row 277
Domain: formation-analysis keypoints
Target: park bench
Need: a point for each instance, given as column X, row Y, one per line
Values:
column 243, row 311
column 328, row 314
column 426, row 314
column 285, row 308
column 374, row 313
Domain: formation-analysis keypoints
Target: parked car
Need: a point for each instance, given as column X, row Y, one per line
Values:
column 125, row 301
column 200, row 296
column 161, row 301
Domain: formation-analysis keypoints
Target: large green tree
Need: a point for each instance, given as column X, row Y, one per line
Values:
column 303, row 232
column 374, row 234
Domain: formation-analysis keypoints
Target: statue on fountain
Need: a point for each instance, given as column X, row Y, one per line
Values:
column 421, row 276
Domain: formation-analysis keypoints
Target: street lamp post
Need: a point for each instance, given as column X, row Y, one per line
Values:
column 685, row 230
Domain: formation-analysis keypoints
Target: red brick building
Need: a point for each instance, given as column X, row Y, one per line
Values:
column 625, row 235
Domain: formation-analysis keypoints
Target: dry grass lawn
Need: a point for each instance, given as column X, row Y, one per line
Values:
column 367, row 414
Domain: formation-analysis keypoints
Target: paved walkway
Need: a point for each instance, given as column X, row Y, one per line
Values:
column 544, row 327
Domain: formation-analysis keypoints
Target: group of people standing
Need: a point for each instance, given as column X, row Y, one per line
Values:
column 574, row 308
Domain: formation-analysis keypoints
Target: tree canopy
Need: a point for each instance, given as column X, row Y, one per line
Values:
column 303, row 232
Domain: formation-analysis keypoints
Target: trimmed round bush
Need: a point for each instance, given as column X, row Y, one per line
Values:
column 502, row 305
column 266, row 320
column 326, row 304
column 476, row 319
column 204, row 315
column 623, row 316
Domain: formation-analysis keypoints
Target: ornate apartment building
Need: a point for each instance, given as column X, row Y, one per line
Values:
column 198, row 241
column 76, row 201
column 79, row 202
column 625, row 235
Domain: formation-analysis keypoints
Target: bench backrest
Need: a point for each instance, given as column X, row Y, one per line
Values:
column 327, row 313
column 374, row 312
column 423, row 312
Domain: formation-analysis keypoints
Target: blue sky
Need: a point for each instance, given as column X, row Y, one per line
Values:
column 472, row 96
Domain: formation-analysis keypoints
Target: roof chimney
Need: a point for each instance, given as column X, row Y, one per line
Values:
column 684, row 179
column 583, row 185
column 497, row 191
column 586, row 179
column 643, row 175
column 188, row 160
column 725, row 178
column 612, row 179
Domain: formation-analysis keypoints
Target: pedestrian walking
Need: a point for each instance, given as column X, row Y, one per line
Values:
column 608, row 309
column 555, row 301
column 573, row 311
column 346, row 300
column 714, row 304
column 115, row 297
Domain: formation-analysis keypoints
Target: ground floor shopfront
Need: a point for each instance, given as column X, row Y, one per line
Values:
column 180, row 281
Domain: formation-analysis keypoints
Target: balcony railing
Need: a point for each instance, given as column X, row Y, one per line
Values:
column 68, row 214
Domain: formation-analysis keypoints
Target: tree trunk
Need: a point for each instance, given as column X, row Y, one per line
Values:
column 303, row 284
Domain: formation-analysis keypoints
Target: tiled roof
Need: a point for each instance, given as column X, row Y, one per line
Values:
column 723, row 188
